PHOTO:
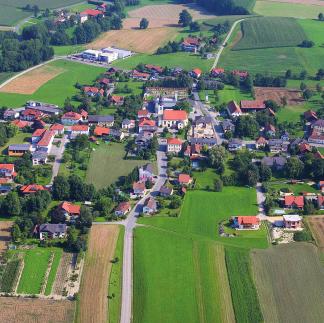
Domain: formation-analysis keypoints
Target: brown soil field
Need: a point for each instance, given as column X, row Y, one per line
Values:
column 25, row 310
column 294, row 97
column 93, row 305
column 309, row 2
column 31, row 81
column 141, row 41
column 5, row 238
column 316, row 224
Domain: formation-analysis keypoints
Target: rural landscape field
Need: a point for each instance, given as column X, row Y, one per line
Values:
column 162, row 161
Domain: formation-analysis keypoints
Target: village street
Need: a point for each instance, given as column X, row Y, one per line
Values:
column 58, row 153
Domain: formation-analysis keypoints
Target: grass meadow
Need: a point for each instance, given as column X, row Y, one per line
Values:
column 60, row 87
column 290, row 276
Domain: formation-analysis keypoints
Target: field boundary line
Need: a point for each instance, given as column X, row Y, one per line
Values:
column 17, row 279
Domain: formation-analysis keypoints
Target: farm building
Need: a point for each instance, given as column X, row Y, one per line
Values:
column 18, row 150
column 233, row 109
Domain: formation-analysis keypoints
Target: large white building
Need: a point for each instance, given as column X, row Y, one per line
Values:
column 121, row 53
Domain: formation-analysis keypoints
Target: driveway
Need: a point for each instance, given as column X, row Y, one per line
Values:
column 58, row 153
column 260, row 200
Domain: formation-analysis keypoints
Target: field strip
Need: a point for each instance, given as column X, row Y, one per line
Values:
column 308, row 2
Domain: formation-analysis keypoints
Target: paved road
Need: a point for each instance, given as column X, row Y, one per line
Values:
column 260, row 200
column 130, row 223
column 58, row 153
column 225, row 43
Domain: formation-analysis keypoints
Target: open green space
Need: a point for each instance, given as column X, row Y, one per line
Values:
column 115, row 281
column 107, row 164
column 244, row 294
column 295, row 188
column 290, row 276
column 51, row 277
column 59, row 88
column 68, row 49
column 144, row 3
column 35, row 265
column 135, row 87
column 4, row 76
column 266, row 32
column 180, row 59
column 282, row 9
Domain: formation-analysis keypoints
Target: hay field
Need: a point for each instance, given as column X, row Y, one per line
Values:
column 290, row 283
column 316, row 224
column 308, row 2
column 30, row 82
column 294, row 97
column 35, row 310
column 5, row 236
column 93, row 304
column 141, row 41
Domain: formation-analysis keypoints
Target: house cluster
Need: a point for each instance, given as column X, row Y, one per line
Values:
column 106, row 55
column 290, row 201
column 316, row 136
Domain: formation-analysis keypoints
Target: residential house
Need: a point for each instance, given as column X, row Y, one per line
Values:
column 46, row 141
column 139, row 189
column 260, row 142
column 70, row 211
column 320, row 202
column 92, row 13
column 147, row 125
column 284, row 136
column 37, row 135
column 101, row 120
column 143, row 113
column 52, row 231
column 276, row 163
column 318, row 125
column 174, row 119
column 233, row 109
column 184, row 179
column 93, row 91
column 270, row 130
column 18, row 150
column 166, row 191
column 77, row 130
column 141, row 76
column 193, row 150
column 7, row 172
column 154, row 68
column 174, row 145
column 191, row 44
column 304, row 148
column 294, row 202
column 31, row 115
column 71, row 118
column 210, row 142
column 123, row 208
column 10, row 114
column 105, row 82
column 128, row 124
column 21, row 124
column 196, row 73
column 31, row 188
column 57, row 128
column 316, row 138
column 278, row 145
column 150, row 206
column 310, row 116
column 116, row 100
column 216, row 72
column 248, row 106
column 146, row 173
column 203, row 127
column 292, row 221
column 235, row 144
column 39, row 157
column 246, row 223
column 228, row 126
column 101, row 131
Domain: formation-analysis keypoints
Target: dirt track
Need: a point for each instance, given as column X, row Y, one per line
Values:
column 93, row 305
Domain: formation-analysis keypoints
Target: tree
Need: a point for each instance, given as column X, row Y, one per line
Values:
column 35, row 10
column 85, row 217
column 218, row 185
column 321, row 17
column 61, row 188
column 15, row 233
column 11, row 204
column 144, row 23
column 294, row 167
column 307, row 94
column 185, row 18
column 217, row 156
column 265, row 173
column 175, row 202
column 288, row 74
column 194, row 26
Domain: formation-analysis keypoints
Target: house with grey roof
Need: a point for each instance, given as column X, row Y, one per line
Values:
column 276, row 163
column 52, row 231
column 101, row 120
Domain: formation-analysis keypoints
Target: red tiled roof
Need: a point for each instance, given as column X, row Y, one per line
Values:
column 297, row 200
column 70, row 208
column 191, row 41
column 72, row 115
column 233, row 107
column 38, row 132
column 184, row 178
column 252, row 104
column 91, row 12
column 217, row 71
column 139, row 186
column 147, row 122
column 174, row 141
column 32, row 188
column 100, row 131
column 84, row 113
column 261, row 140
column 240, row 73
column 104, row 80
column 79, row 127
column 46, row 138
column 32, row 112
column 197, row 71
column 140, row 74
column 117, row 98
column 156, row 68
column 57, row 127
column 9, row 167
column 248, row 220
column 305, row 148
column 123, row 207
column 20, row 123
column 320, row 200
column 93, row 89
column 175, row 115
column 142, row 113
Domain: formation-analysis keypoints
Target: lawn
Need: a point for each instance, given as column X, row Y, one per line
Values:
column 107, row 165
column 35, row 266
column 136, row 87
column 205, row 180
column 296, row 188
column 59, row 88
column 68, row 49
column 266, row 32
column 244, row 294
column 185, row 60
column 270, row 8
column 289, row 276
column 115, row 281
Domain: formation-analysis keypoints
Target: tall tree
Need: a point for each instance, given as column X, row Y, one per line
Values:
column 185, row 18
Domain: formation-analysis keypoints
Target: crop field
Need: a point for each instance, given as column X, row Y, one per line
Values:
column 58, row 88
column 5, row 235
column 30, row 82
column 93, row 301
column 36, row 262
column 316, row 224
column 107, row 165
column 244, row 294
column 266, row 32
column 289, row 276
column 136, row 40
column 294, row 97
column 35, row 310
column 303, row 9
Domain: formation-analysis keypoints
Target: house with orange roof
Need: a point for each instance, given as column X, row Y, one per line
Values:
column 174, row 119
column 294, row 202
column 31, row 115
column 77, row 130
column 139, row 189
column 154, row 68
column 241, row 74
column 93, row 91
column 20, row 123
column 260, row 142
column 174, row 145
column 184, row 179
column 142, row 76
column 37, row 135
column 117, row 99
column 142, row 113
column 71, row 118
column 57, row 128
column 233, row 109
column 248, row 106
column 7, row 173
column 123, row 208
column 70, row 211
column 147, row 125
column 31, row 188
column 191, row 44
column 246, row 223
column 196, row 72
column 101, row 131
column 215, row 72
column 85, row 14
column 46, row 141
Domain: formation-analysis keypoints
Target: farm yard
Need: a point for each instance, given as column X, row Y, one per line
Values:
column 93, row 296
column 294, row 97
column 265, row 32
column 286, row 276
column 316, row 224
column 35, row 310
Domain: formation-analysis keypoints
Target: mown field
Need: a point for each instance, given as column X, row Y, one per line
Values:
column 290, row 283
column 266, row 32
column 59, row 88
column 180, row 272
column 106, row 165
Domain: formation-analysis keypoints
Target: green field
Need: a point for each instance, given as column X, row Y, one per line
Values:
column 290, row 276
column 185, row 60
column 52, row 274
column 245, row 300
column 35, row 266
column 5, row 76
column 136, row 87
column 296, row 188
column 266, row 32
column 107, row 165
column 270, row 8
column 59, row 88
column 115, row 281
